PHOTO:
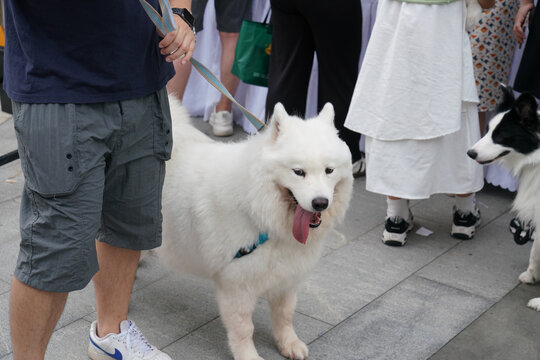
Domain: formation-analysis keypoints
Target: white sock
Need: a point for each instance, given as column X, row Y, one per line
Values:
column 466, row 204
column 399, row 207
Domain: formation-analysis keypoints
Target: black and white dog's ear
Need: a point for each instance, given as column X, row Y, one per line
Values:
column 526, row 107
column 508, row 98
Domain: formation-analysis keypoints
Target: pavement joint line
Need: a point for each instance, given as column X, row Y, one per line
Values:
column 473, row 321
column 189, row 332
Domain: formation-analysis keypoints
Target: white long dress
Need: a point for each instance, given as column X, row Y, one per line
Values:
column 415, row 100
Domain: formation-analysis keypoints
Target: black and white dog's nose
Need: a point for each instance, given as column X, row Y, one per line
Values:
column 319, row 204
column 472, row 154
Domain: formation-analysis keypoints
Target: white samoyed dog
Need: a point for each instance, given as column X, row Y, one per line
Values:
column 252, row 215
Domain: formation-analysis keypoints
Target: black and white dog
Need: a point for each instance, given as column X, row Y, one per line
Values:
column 513, row 139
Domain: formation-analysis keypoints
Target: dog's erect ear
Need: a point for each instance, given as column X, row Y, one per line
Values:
column 508, row 98
column 278, row 117
column 526, row 107
column 327, row 113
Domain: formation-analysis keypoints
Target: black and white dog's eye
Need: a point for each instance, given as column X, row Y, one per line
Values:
column 329, row 170
column 299, row 172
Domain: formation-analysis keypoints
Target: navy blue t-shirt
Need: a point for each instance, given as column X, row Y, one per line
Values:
column 82, row 51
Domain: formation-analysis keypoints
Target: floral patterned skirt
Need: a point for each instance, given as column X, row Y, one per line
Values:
column 493, row 43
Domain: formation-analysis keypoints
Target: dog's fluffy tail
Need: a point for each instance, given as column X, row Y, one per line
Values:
column 183, row 130
column 179, row 114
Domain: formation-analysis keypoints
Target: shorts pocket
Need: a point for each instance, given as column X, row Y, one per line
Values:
column 47, row 138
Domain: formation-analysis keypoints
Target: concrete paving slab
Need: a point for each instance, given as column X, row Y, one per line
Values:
column 507, row 331
column 411, row 321
column 172, row 307
column 366, row 211
column 9, row 221
column 4, row 287
column 5, row 339
column 488, row 265
column 9, row 248
column 210, row 341
column 356, row 274
column 69, row 342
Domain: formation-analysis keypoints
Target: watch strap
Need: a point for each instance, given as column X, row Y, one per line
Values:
column 186, row 16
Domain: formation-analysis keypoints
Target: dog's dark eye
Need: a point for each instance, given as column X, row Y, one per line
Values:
column 329, row 170
column 299, row 172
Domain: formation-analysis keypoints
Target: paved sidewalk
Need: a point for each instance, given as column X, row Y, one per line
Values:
column 437, row 297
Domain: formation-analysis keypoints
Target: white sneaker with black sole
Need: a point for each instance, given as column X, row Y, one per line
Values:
column 130, row 344
column 396, row 229
column 464, row 224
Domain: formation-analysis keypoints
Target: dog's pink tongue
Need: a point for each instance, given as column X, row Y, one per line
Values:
column 302, row 218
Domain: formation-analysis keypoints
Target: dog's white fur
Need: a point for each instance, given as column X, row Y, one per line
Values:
column 526, row 205
column 219, row 196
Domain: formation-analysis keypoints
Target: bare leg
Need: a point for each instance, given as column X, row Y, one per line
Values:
column 482, row 121
column 230, row 81
column 236, row 311
column 290, row 346
column 33, row 316
column 113, row 284
column 177, row 85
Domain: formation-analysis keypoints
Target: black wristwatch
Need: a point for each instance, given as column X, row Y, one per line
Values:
column 186, row 15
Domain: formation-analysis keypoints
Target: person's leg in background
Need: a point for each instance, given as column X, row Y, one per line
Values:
column 337, row 31
column 291, row 58
column 229, row 16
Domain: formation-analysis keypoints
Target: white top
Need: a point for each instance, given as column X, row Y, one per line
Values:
column 403, row 91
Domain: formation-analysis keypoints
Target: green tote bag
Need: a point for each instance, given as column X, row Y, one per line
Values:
column 252, row 55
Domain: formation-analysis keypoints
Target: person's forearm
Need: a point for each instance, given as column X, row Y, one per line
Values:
column 181, row 4
column 487, row 4
column 525, row 2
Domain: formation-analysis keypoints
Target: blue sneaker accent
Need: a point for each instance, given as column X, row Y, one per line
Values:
column 117, row 354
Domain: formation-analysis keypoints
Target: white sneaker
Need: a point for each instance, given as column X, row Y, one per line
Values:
column 130, row 344
column 464, row 224
column 396, row 229
column 222, row 123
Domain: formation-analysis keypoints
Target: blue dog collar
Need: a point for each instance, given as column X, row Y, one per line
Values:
column 263, row 237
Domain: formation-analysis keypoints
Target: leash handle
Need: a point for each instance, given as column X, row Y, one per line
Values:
column 165, row 24
column 214, row 81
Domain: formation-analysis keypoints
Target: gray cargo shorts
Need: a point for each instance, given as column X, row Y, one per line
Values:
column 229, row 14
column 92, row 171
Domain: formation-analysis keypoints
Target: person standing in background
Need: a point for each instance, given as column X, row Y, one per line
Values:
column 493, row 49
column 229, row 17
column 528, row 76
column 415, row 100
column 300, row 29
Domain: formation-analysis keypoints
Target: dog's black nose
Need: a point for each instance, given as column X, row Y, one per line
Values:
column 319, row 204
column 472, row 154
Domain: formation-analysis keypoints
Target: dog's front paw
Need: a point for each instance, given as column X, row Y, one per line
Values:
column 296, row 350
column 527, row 277
column 534, row 304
